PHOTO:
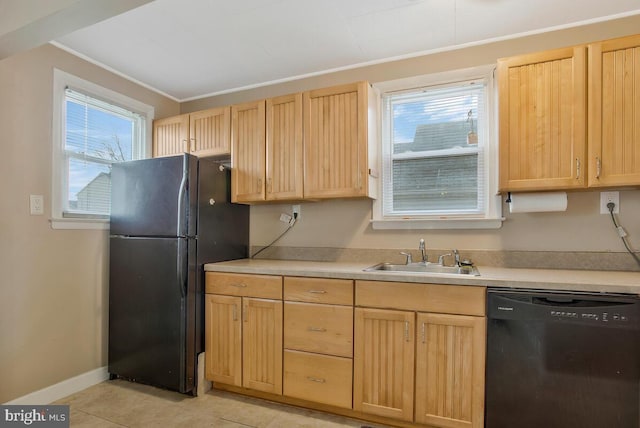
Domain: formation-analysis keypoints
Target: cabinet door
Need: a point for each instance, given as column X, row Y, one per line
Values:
column 170, row 136
column 335, row 141
column 248, row 152
column 209, row 132
column 223, row 339
column 542, row 120
column 614, row 112
column 262, row 345
column 284, row 147
column 383, row 363
column 450, row 357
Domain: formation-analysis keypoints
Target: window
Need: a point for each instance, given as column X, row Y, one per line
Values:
column 94, row 128
column 437, row 151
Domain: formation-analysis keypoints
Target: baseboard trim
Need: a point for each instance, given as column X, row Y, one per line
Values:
column 62, row 389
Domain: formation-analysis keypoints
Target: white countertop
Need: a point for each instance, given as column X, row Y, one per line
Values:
column 550, row 279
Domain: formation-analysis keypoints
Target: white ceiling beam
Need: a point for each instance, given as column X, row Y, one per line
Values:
column 44, row 24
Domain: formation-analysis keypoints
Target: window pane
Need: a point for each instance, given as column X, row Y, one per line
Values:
column 434, row 156
column 440, row 119
column 97, row 133
column 436, row 184
column 89, row 187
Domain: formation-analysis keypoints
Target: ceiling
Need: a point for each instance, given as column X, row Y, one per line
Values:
column 188, row 49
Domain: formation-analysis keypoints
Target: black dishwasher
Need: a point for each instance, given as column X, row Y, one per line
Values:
column 562, row 360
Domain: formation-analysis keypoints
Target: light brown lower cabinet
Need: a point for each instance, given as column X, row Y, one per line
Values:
column 318, row 340
column 408, row 353
column 243, row 342
column 243, row 335
column 450, row 359
column 448, row 353
column 383, row 363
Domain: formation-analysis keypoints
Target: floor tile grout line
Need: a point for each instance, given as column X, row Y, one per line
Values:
column 99, row 417
column 236, row 422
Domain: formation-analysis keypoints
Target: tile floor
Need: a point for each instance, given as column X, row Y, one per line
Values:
column 119, row 403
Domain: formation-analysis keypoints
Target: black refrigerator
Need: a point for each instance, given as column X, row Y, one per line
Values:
column 169, row 216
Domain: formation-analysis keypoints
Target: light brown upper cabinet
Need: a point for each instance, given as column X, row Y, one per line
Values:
column 267, row 150
column 202, row 133
column 248, row 152
column 337, row 130
column 284, row 148
column 614, row 112
column 171, row 136
column 542, row 99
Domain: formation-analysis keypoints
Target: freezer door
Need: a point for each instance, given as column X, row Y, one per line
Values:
column 152, row 304
column 154, row 197
column 223, row 227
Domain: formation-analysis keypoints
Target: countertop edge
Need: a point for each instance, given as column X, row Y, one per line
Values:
column 546, row 279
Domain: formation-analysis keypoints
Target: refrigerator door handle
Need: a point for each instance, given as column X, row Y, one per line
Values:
column 180, row 230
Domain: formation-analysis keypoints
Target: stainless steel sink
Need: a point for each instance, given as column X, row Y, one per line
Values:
column 425, row 268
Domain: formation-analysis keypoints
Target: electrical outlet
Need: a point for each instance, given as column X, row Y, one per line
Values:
column 296, row 211
column 605, row 198
column 36, row 204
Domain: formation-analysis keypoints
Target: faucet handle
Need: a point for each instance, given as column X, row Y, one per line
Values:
column 441, row 258
column 408, row 256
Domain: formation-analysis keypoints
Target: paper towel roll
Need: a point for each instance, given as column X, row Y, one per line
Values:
column 538, row 202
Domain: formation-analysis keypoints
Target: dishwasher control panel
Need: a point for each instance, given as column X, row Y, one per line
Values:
column 604, row 317
column 622, row 311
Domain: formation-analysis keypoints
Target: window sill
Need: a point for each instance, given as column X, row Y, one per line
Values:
column 462, row 223
column 77, row 223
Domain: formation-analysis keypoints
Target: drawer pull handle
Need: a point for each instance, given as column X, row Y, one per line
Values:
column 238, row 284
column 406, row 331
column 235, row 312
column 317, row 291
column 316, row 379
column 424, row 334
column 320, row 329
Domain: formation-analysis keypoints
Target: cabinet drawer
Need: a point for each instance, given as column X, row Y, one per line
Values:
column 319, row 290
column 320, row 378
column 325, row 329
column 262, row 286
column 447, row 299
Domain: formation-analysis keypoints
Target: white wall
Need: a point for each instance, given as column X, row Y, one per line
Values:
column 53, row 287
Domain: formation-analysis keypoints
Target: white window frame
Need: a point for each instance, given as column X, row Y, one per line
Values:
column 492, row 216
column 62, row 80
